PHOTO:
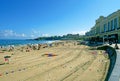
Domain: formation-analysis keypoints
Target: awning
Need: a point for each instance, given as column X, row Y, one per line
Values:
column 113, row 36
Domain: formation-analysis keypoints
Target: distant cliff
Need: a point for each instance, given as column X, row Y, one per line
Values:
column 64, row 37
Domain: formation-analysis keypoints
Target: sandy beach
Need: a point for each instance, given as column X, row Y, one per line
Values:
column 64, row 61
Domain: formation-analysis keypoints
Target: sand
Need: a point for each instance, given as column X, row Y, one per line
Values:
column 62, row 62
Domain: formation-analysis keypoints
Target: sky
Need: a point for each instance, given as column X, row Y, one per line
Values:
column 21, row 19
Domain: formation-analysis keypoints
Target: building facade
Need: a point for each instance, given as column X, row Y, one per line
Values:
column 106, row 29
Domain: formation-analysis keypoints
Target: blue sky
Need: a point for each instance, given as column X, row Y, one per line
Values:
column 34, row 18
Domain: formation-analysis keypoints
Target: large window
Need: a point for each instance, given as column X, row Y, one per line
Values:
column 105, row 27
column 108, row 26
column 119, row 22
column 112, row 25
column 115, row 23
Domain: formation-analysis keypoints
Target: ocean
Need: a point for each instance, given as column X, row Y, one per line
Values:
column 6, row 42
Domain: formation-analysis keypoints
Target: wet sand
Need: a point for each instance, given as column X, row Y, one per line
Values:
column 68, row 62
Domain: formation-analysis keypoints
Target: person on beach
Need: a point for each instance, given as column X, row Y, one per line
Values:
column 39, row 46
column 27, row 50
column 0, row 46
column 11, row 47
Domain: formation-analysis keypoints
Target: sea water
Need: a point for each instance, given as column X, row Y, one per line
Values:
column 6, row 42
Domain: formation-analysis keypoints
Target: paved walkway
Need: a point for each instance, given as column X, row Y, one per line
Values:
column 115, row 76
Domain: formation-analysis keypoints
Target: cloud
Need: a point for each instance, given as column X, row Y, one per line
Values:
column 32, row 36
column 6, row 33
column 20, row 35
column 10, row 33
column 45, row 35
column 79, row 32
column 36, row 33
column 14, row 35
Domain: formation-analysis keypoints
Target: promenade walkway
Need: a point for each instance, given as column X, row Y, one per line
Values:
column 115, row 76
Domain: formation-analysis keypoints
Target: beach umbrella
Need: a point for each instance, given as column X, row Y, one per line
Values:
column 7, row 58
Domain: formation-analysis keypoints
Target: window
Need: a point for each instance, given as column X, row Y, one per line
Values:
column 108, row 26
column 105, row 27
column 112, row 25
column 115, row 23
column 119, row 22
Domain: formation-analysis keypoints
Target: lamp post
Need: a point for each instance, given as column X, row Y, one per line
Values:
column 116, row 46
column 103, row 40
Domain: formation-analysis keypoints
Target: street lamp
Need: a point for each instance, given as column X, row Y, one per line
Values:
column 103, row 39
column 116, row 46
